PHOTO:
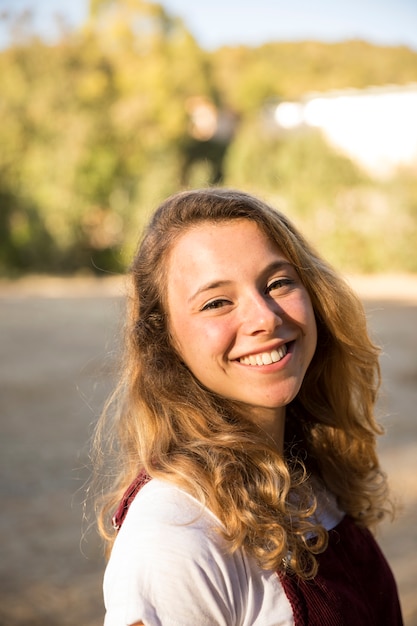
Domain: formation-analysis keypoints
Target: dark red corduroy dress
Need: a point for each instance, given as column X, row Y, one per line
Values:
column 354, row 585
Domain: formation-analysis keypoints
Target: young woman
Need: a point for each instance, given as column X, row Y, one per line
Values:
column 243, row 437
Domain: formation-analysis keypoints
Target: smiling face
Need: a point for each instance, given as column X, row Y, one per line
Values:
column 240, row 317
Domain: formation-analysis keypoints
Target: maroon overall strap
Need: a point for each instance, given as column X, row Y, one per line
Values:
column 128, row 497
column 354, row 584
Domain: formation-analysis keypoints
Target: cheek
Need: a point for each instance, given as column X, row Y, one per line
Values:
column 220, row 333
column 199, row 344
column 311, row 331
column 307, row 320
column 210, row 339
column 179, row 334
column 313, row 326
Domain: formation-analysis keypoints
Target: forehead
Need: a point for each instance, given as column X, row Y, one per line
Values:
column 221, row 246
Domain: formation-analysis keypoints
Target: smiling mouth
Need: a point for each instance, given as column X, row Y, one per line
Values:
column 265, row 358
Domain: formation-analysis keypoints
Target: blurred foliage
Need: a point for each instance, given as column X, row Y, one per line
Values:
column 245, row 77
column 97, row 129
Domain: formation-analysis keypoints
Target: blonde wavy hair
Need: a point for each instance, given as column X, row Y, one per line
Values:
column 162, row 420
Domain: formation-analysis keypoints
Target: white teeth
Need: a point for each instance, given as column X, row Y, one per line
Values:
column 265, row 358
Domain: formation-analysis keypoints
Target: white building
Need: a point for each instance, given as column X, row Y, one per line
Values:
column 376, row 127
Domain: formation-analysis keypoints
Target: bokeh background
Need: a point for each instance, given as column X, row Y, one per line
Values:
column 108, row 106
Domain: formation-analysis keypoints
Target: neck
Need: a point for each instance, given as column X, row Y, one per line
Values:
column 272, row 423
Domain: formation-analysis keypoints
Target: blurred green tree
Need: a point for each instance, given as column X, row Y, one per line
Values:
column 246, row 77
column 102, row 125
column 96, row 126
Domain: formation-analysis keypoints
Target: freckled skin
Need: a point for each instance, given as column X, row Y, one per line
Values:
column 232, row 293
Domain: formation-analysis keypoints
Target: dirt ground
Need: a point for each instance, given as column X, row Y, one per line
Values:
column 58, row 340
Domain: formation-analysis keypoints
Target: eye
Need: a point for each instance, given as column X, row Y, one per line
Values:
column 215, row 304
column 279, row 283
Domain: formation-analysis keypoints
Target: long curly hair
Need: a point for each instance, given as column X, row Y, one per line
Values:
column 162, row 420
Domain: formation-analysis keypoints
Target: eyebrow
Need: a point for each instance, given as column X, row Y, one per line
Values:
column 215, row 284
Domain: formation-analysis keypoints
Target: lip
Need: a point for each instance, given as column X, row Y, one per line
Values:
column 289, row 343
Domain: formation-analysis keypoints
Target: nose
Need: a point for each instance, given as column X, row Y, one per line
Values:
column 261, row 314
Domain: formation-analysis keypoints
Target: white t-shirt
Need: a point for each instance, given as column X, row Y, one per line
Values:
column 170, row 567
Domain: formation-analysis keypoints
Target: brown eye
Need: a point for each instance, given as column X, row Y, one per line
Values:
column 215, row 304
column 279, row 283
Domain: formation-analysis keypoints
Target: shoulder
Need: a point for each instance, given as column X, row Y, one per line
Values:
column 170, row 558
column 163, row 503
column 170, row 565
column 165, row 519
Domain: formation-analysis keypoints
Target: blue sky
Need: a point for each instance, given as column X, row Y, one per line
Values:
column 252, row 22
